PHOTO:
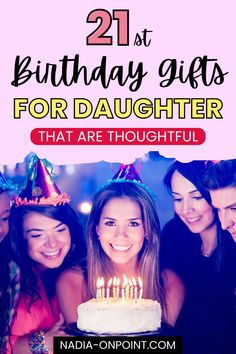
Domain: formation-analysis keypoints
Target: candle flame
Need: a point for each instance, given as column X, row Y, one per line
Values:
column 134, row 281
column 125, row 281
column 140, row 283
column 98, row 282
column 118, row 282
column 109, row 283
column 114, row 281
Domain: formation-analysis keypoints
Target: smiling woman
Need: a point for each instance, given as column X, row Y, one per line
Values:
column 121, row 233
column 123, row 238
column 194, row 210
column 46, row 239
column 195, row 247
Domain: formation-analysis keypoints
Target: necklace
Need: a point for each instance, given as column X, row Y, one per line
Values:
column 209, row 253
column 209, row 243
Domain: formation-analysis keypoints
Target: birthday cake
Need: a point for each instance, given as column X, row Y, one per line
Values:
column 117, row 317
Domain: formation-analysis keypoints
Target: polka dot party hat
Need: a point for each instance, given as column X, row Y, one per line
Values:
column 39, row 188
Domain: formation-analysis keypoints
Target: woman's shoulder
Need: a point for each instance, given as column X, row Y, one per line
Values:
column 174, row 294
column 170, row 277
column 71, row 285
column 71, row 277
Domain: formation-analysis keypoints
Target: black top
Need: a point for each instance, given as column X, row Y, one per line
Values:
column 206, row 320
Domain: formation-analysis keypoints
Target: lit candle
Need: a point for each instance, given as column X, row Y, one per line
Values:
column 102, row 283
column 140, row 283
column 108, row 288
column 114, row 289
column 123, row 288
column 127, row 289
column 131, row 288
column 98, row 289
column 135, row 289
column 117, row 288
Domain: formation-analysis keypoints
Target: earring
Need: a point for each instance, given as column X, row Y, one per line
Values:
column 146, row 236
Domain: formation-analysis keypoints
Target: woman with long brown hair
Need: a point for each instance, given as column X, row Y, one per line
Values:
column 123, row 238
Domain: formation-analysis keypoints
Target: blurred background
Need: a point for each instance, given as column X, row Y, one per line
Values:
column 82, row 181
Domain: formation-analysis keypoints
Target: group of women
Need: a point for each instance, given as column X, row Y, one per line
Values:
column 47, row 268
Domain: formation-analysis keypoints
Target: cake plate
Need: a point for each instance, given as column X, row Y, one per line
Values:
column 72, row 329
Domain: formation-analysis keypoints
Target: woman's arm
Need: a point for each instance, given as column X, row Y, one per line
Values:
column 71, row 291
column 22, row 344
column 174, row 295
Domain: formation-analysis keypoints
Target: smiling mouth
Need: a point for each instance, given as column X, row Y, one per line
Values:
column 193, row 220
column 121, row 248
column 51, row 254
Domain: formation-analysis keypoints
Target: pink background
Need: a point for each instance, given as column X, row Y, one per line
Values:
column 48, row 30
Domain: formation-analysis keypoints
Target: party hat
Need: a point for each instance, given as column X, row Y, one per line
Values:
column 5, row 185
column 39, row 188
column 127, row 173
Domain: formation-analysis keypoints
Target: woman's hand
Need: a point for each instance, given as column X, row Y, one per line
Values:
column 21, row 345
column 56, row 330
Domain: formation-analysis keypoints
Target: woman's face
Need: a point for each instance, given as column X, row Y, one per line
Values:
column 48, row 239
column 190, row 205
column 4, row 214
column 121, row 231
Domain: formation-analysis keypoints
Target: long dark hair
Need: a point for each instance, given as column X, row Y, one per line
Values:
column 194, row 171
column 220, row 174
column 4, row 284
column 75, row 256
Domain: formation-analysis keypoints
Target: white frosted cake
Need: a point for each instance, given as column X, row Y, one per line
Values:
column 103, row 316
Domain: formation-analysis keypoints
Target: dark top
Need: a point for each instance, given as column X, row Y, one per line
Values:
column 206, row 321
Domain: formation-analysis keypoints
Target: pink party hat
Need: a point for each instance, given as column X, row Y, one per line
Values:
column 39, row 188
